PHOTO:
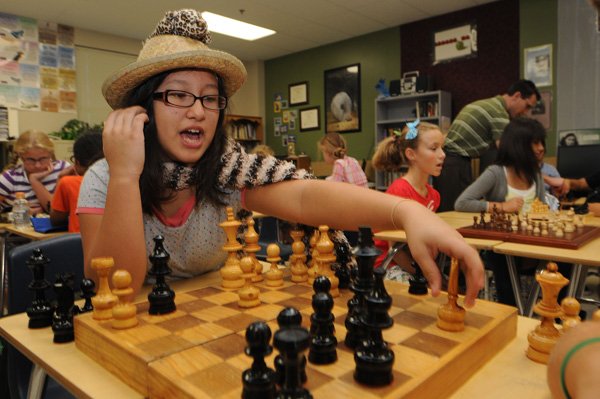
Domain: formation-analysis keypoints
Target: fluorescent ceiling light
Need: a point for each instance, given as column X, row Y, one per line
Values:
column 232, row 27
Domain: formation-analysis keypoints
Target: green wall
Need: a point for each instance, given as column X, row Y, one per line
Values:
column 539, row 26
column 379, row 57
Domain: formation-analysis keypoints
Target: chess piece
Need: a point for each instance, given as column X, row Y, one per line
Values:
column 570, row 221
column 258, row 380
column 251, row 239
column 104, row 299
column 417, row 282
column 596, row 315
column 231, row 273
column 162, row 297
column 87, row 292
column 323, row 342
column 287, row 318
column 298, row 266
column 374, row 359
column 313, row 265
column 544, row 229
column 40, row 311
column 579, row 222
column 62, row 320
column 274, row 276
column 365, row 253
column 342, row 271
column 451, row 316
column 124, row 312
column 571, row 308
column 291, row 344
column 544, row 337
column 249, row 294
column 536, row 228
column 325, row 258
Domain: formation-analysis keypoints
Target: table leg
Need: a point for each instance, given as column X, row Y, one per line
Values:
column 576, row 274
column 514, row 281
column 36, row 382
column 534, row 292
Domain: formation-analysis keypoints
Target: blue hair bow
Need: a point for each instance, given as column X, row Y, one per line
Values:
column 412, row 129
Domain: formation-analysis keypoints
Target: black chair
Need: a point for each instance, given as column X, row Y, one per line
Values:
column 66, row 255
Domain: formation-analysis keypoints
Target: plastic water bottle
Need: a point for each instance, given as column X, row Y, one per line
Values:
column 20, row 211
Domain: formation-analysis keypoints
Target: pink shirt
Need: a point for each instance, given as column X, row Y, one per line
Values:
column 348, row 170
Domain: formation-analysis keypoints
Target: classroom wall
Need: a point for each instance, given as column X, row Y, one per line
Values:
column 538, row 26
column 98, row 55
column 490, row 72
column 578, row 85
column 379, row 57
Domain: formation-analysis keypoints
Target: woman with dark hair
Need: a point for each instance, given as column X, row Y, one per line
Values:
column 511, row 184
column 171, row 170
column 514, row 181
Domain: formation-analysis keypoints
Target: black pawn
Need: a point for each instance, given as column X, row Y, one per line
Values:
column 342, row 271
column 87, row 292
column 259, row 380
column 62, row 321
column 162, row 297
column 288, row 317
column 374, row 360
column 362, row 282
column 40, row 311
column 291, row 343
column 323, row 342
column 417, row 282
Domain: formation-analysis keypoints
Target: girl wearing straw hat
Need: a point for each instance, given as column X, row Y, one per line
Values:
column 170, row 169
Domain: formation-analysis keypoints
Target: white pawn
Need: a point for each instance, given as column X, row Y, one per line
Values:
column 274, row 276
column 124, row 312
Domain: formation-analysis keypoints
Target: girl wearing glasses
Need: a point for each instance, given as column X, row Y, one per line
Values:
column 170, row 169
column 36, row 173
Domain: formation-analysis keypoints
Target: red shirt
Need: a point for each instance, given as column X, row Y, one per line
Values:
column 402, row 188
column 65, row 197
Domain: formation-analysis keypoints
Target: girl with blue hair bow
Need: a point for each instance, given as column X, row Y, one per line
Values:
column 417, row 151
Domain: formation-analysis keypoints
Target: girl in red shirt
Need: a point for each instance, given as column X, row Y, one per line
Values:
column 417, row 151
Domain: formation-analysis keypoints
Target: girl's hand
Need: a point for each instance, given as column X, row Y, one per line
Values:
column 513, row 204
column 68, row 171
column 39, row 176
column 427, row 235
column 123, row 142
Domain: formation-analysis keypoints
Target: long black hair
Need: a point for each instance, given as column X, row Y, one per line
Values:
column 516, row 150
column 153, row 189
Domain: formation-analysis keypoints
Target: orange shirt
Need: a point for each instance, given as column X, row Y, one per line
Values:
column 65, row 197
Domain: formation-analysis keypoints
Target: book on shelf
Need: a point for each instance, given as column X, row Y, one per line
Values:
column 242, row 129
column 426, row 109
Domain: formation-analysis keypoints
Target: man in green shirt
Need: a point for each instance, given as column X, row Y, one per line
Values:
column 474, row 133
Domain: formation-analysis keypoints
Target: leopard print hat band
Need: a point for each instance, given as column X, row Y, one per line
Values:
column 180, row 40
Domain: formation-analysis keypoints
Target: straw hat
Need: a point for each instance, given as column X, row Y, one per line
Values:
column 179, row 41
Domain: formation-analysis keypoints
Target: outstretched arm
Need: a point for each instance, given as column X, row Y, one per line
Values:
column 346, row 207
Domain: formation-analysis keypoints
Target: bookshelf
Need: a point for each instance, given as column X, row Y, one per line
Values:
column 247, row 130
column 394, row 112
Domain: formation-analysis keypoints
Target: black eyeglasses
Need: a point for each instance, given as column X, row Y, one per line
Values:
column 183, row 99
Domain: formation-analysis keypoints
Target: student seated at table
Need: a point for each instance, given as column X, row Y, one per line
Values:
column 87, row 149
column 590, row 183
column 345, row 168
column 170, row 169
column 417, row 146
column 511, row 184
column 36, row 173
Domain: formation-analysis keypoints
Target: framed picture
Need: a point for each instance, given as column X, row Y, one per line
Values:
column 298, row 93
column 342, row 99
column 309, row 119
column 538, row 65
column 541, row 111
column 458, row 42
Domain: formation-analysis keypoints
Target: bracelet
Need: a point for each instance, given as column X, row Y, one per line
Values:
column 394, row 211
column 565, row 362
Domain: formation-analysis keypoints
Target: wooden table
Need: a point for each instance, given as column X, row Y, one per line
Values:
column 508, row 373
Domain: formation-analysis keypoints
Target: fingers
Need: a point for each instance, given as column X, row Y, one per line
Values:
column 474, row 275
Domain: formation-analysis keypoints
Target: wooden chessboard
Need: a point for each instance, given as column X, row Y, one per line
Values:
column 198, row 351
column 570, row 240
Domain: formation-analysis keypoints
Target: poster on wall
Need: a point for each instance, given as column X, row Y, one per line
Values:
column 459, row 42
column 342, row 99
column 37, row 65
column 538, row 65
